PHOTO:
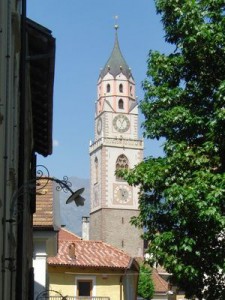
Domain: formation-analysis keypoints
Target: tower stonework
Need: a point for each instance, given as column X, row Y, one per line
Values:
column 116, row 145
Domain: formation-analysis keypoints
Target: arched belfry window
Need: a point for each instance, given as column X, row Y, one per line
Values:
column 121, row 88
column 96, row 169
column 120, row 104
column 131, row 90
column 108, row 88
column 121, row 163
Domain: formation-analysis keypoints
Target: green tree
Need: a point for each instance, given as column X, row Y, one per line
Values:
column 145, row 284
column 182, row 198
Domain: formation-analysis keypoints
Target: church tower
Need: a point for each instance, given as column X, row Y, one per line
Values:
column 116, row 145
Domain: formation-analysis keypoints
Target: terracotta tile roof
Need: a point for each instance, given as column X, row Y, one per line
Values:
column 80, row 253
column 160, row 285
column 44, row 206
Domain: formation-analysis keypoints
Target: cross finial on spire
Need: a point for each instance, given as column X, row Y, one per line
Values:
column 116, row 26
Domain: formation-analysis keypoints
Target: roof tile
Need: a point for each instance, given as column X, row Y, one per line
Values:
column 44, row 205
column 160, row 285
column 79, row 253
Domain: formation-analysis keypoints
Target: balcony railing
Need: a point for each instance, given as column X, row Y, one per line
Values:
column 87, row 298
column 72, row 298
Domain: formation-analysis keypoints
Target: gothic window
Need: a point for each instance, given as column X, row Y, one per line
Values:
column 121, row 88
column 120, row 104
column 121, row 163
column 108, row 88
column 96, row 170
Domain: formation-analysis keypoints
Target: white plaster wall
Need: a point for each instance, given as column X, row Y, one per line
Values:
column 40, row 266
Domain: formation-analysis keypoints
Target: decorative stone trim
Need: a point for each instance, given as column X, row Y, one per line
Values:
column 117, row 142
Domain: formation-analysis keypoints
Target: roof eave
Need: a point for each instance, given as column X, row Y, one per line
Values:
column 41, row 58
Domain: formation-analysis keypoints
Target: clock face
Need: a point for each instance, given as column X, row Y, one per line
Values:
column 122, row 194
column 121, row 123
column 99, row 125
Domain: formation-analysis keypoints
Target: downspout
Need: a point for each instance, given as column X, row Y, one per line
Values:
column 6, row 150
column 121, row 287
column 124, row 275
column 21, row 179
column 131, row 261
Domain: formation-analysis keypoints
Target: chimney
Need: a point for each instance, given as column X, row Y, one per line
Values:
column 85, row 228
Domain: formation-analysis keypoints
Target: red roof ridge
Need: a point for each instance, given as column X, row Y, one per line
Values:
column 96, row 242
column 89, row 253
column 67, row 235
column 106, row 244
column 117, row 249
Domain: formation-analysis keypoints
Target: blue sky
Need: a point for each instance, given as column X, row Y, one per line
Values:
column 84, row 32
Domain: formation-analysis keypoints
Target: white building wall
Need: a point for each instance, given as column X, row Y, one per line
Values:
column 45, row 244
column 40, row 266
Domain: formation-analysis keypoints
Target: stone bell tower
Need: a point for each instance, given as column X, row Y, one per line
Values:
column 116, row 145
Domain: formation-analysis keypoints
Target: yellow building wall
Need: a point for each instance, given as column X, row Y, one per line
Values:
column 106, row 283
column 181, row 297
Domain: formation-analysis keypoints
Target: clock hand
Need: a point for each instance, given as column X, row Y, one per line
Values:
column 122, row 193
column 121, row 123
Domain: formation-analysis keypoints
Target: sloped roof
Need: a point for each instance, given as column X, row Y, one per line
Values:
column 43, row 216
column 79, row 253
column 116, row 64
column 160, row 285
column 66, row 235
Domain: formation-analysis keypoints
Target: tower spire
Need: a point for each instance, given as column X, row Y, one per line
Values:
column 116, row 26
column 116, row 63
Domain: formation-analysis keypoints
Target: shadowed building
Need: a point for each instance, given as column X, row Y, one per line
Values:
column 27, row 57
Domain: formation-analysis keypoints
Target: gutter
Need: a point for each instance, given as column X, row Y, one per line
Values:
column 132, row 261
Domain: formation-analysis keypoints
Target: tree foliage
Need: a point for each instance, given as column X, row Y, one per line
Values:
column 182, row 198
column 145, row 284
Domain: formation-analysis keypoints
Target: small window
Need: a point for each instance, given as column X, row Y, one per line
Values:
column 131, row 90
column 84, row 287
column 108, row 88
column 120, row 104
column 96, row 169
column 121, row 88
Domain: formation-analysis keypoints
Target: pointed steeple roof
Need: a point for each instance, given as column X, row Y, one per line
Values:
column 116, row 64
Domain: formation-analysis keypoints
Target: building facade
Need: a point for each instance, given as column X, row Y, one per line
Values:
column 91, row 270
column 27, row 55
column 116, row 145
